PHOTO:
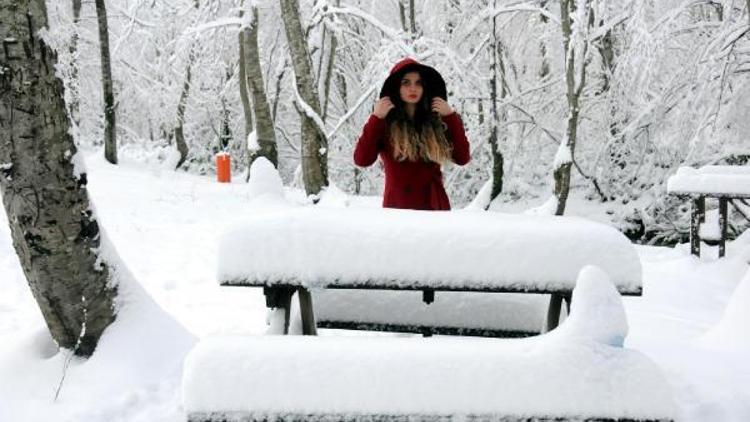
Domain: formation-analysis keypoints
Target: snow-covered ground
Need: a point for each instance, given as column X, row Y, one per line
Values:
column 166, row 225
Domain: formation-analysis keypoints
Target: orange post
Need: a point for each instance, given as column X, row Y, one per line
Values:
column 223, row 168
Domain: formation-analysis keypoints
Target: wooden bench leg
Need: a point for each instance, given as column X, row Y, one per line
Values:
column 723, row 226
column 697, row 216
column 553, row 312
column 306, row 312
column 280, row 298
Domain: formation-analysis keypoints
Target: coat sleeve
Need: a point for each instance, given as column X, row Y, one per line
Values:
column 371, row 142
column 457, row 135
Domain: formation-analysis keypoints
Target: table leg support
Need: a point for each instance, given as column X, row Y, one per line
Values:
column 280, row 298
column 306, row 312
column 697, row 216
column 723, row 226
column 553, row 312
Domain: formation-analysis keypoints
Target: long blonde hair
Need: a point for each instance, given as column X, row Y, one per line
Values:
column 420, row 138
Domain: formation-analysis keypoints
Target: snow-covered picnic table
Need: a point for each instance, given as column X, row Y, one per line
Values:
column 721, row 182
column 579, row 372
column 332, row 248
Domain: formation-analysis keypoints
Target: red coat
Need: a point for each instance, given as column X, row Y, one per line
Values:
column 414, row 185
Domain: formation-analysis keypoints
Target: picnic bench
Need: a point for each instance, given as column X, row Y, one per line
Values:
column 724, row 183
column 578, row 372
column 314, row 248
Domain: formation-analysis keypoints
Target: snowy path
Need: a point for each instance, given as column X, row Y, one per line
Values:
column 166, row 227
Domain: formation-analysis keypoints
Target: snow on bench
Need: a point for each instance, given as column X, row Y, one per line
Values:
column 578, row 372
column 713, row 181
column 722, row 182
column 315, row 247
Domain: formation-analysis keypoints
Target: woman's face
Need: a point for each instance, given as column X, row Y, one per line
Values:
column 411, row 88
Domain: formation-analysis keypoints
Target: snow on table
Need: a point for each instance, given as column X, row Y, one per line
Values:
column 731, row 181
column 402, row 249
column 579, row 370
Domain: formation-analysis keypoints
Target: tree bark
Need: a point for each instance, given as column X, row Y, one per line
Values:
column 562, row 170
column 54, row 229
column 748, row 12
column 412, row 20
column 110, row 125
column 247, row 108
column 179, row 130
column 264, row 127
column 314, row 145
column 497, row 156
column 75, row 95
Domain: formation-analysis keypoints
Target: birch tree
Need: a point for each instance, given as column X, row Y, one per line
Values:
column 54, row 230
column 314, row 148
column 264, row 128
column 110, row 124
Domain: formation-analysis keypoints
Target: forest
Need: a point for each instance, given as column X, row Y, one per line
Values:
column 613, row 96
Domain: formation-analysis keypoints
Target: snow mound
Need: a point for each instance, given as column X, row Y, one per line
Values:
column 264, row 180
column 597, row 311
column 733, row 330
column 575, row 376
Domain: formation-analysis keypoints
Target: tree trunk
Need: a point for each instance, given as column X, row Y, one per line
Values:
column 748, row 12
column 179, row 130
column 412, row 20
column 402, row 15
column 329, row 70
column 110, row 126
column 264, row 127
column 562, row 168
column 314, row 145
column 75, row 95
column 247, row 108
column 544, row 68
column 497, row 156
column 54, row 230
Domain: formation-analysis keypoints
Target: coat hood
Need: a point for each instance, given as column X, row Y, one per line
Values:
column 434, row 85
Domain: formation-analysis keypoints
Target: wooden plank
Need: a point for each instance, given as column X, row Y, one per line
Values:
column 376, row 285
column 420, row 329
column 370, row 417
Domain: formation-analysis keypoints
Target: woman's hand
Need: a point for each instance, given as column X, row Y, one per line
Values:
column 441, row 107
column 382, row 107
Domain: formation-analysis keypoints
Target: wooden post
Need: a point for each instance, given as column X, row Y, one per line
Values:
column 553, row 312
column 697, row 216
column 306, row 312
column 723, row 225
column 277, row 298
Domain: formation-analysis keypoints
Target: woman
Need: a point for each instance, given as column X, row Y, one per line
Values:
column 414, row 131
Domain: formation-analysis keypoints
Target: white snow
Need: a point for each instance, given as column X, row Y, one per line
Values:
column 733, row 330
column 563, row 155
column 572, row 372
column 265, row 182
column 166, row 226
column 316, row 246
column 252, row 142
column 729, row 180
